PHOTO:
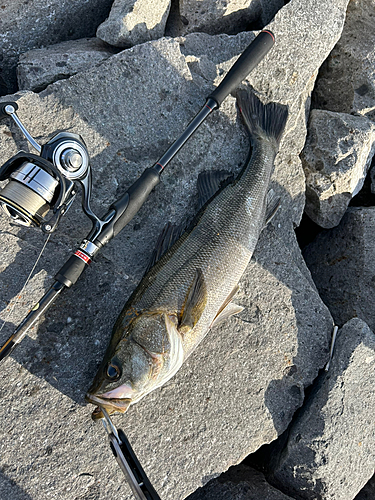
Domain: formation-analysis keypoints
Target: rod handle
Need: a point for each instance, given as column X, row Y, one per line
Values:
column 247, row 61
column 129, row 204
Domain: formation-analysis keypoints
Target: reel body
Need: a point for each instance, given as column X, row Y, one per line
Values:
column 38, row 185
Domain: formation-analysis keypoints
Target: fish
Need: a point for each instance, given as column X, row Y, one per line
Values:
column 194, row 274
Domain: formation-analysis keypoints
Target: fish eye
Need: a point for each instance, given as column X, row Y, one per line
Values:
column 113, row 371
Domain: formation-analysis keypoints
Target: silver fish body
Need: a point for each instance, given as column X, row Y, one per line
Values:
column 191, row 287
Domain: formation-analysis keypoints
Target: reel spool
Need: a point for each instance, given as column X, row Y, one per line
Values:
column 27, row 196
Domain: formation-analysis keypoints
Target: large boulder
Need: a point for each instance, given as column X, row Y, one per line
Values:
column 346, row 80
column 26, row 25
column 330, row 449
column 233, row 16
column 241, row 387
column 134, row 21
column 39, row 67
column 239, row 483
column 341, row 261
column 336, row 158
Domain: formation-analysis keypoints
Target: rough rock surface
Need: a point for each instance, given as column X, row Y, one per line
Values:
column 229, row 17
column 330, row 450
column 239, row 483
column 39, row 67
column 346, row 80
column 368, row 492
column 341, row 262
column 336, row 158
column 372, row 177
column 28, row 25
column 134, row 21
column 240, row 388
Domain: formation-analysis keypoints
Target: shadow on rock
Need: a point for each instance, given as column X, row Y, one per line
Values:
column 10, row 489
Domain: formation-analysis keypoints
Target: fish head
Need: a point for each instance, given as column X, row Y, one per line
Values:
column 146, row 355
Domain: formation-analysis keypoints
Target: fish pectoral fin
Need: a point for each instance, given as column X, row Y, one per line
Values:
column 227, row 309
column 273, row 203
column 209, row 183
column 195, row 302
column 226, row 313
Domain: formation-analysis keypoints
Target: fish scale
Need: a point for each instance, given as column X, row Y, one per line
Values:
column 191, row 286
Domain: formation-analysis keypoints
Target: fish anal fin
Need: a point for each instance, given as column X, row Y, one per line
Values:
column 209, row 183
column 195, row 302
column 273, row 203
column 227, row 309
column 226, row 313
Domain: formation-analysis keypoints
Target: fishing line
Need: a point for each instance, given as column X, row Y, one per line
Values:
column 25, row 285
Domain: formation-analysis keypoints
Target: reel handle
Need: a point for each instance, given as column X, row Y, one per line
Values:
column 250, row 58
column 3, row 105
column 143, row 481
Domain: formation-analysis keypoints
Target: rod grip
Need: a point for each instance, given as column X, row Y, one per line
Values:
column 247, row 61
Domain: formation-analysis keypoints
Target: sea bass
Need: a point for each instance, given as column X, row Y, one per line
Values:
column 190, row 288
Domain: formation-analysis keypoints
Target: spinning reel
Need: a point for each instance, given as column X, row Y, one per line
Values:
column 42, row 188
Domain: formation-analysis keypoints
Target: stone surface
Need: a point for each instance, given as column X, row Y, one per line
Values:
column 330, row 449
column 233, row 16
column 341, row 262
column 134, row 21
column 346, row 81
column 40, row 67
column 239, row 483
column 368, row 492
column 372, row 179
column 336, row 158
column 240, row 388
column 26, row 25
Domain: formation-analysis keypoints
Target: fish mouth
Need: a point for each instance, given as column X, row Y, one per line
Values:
column 110, row 405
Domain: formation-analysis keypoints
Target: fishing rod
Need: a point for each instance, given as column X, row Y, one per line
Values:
column 41, row 189
column 39, row 185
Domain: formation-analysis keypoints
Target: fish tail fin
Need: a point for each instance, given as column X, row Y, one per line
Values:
column 263, row 121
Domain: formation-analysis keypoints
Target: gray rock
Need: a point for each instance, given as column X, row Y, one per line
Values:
column 40, row 67
column 336, row 158
column 346, row 82
column 29, row 25
column 341, row 262
column 240, row 388
column 233, row 16
column 368, row 492
column 239, row 483
column 330, row 449
column 134, row 21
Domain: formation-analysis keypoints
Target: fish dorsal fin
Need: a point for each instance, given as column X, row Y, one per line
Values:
column 195, row 302
column 169, row 235
column 227, row 309
column 209, row 183
column 273, row 203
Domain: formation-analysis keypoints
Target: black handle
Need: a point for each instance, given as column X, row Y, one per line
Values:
column 3, row 105
column 250, row 58
column 129, row 204
column 140, row 475
column 73, row 268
